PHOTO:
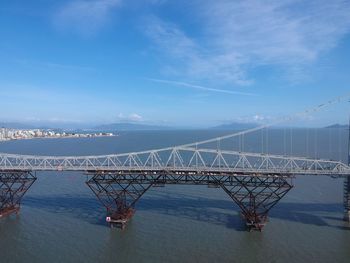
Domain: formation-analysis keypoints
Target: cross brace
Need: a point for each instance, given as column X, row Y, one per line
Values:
column 13, row 186
column 255, row 195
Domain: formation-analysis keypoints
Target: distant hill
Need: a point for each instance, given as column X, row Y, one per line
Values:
column 129, row 127
column 235, row 126
column 338, row 126
column 72, row 126
column 16, row 125
column 38, row 125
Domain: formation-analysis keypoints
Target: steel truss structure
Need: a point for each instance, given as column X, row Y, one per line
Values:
column 347, row 199
column 255, row 182
column 13, row 185
column 184, row 159
column 255, row 195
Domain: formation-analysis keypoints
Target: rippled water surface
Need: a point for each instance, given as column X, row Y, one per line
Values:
column 61, row 220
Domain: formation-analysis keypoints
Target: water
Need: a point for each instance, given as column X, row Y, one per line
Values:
column 61, row 220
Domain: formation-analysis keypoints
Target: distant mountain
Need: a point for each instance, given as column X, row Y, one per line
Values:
column 129, row 127
column 16, row 125
column 338, row 126
column 39, row 125
column 73, row 126
column 235, row 126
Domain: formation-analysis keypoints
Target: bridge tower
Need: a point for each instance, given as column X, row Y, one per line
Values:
column 13, row 185
column 347, row 185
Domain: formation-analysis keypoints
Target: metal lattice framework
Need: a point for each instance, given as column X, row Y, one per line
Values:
column 13, row 186
column 180, row 159
column 254, row 181
column 255, row 195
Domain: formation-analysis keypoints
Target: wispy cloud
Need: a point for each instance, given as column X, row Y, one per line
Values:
column 198, row 87
column 85, row 16
column 237, row 36
column 291, row 31
column 195, row 60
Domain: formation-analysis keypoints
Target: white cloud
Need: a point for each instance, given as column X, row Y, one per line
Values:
column 133, row 117
column 256, row 118
column 85, row 16
column 236, row 36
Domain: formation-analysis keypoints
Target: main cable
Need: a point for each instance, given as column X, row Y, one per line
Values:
column 280, row 120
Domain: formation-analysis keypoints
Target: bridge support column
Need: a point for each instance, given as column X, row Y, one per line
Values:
column 119, row 194
column 13, row 186
column 256, row 195
column 347, row 199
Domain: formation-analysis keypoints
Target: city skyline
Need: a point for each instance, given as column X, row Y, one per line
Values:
column 7, row 134
column 175, row 64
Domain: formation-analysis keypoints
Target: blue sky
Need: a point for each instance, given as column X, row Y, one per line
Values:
column 178, row 63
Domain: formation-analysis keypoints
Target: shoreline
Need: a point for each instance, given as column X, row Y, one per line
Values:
column 59, row 137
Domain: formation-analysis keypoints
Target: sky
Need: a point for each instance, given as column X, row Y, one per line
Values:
column 178, row 63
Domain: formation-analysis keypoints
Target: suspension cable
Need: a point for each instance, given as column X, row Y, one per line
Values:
column 278, row 121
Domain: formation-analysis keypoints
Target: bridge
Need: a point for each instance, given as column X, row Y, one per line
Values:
column 254, row 181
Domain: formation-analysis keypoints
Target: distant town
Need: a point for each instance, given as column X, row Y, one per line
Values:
column 7, row 134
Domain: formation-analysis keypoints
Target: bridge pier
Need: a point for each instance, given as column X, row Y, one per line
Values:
column 256, row 195
column 347, row 199
column 118, row 194
column 13, row 185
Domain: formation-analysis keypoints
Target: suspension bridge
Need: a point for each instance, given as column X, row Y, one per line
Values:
column 254, row 181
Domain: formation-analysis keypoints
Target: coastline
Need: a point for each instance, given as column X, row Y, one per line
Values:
column 58, row 137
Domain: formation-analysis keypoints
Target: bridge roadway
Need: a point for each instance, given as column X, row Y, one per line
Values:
column 255, row 182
